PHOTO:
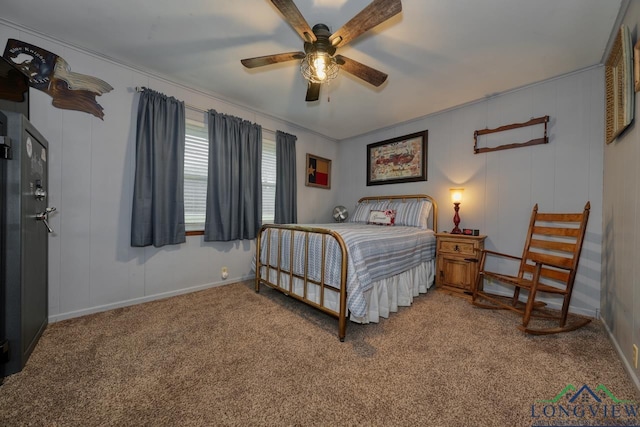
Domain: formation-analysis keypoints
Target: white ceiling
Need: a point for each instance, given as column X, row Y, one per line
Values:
column 438, row 54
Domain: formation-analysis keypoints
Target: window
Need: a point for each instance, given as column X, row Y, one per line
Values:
column 196, row 159
column 268, row 179
column 196, row 152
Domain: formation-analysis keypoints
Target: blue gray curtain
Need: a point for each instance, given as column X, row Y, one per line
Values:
column 158, row 196
column 286, row 209
column 234, row 189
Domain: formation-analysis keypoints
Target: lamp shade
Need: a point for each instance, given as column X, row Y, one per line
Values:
column 456, row 194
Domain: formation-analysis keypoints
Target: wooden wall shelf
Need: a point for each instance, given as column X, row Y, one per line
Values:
column 536, row 121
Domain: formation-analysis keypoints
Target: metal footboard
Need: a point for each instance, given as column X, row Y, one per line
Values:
column 271, row 231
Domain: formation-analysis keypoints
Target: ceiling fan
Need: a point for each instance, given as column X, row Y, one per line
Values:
column 318, row 63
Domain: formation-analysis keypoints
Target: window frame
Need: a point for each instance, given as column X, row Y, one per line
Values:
column 268, row 143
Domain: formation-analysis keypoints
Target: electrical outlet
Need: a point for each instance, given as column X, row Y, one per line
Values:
column 224, row 272
column 635, row 356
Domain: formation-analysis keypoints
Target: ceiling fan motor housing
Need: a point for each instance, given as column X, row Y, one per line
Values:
column 322, row 44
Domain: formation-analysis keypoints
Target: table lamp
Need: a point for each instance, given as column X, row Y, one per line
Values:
column 456, row 198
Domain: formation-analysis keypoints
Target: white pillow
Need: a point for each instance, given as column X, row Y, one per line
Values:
column 382, row 217
column 363, row 209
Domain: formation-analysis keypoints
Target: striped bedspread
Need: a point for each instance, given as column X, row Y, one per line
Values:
column 374, row 253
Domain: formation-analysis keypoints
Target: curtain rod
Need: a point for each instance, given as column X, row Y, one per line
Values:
column 193, row 107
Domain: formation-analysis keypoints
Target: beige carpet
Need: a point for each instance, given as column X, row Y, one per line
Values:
column 229, row 356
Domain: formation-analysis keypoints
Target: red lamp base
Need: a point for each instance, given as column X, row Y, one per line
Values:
column 456, row 219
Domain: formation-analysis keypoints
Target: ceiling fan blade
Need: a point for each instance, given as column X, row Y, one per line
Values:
column 376, row 13
column 364, row 72
column 293, row 16
column 313, row 92
column 271, row 59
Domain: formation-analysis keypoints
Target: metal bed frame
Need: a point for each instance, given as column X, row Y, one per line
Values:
column 275, row 231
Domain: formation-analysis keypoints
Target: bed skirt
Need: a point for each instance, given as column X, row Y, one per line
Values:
column 384, row 297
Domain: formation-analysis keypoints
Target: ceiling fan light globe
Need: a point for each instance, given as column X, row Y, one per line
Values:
column 319, row 67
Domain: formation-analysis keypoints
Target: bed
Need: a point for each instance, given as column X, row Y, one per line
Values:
column 363, row 269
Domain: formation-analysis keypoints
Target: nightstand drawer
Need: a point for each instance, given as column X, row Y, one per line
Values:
column 465, row 248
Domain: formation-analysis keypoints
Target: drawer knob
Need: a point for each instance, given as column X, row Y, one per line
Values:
column 456, row 248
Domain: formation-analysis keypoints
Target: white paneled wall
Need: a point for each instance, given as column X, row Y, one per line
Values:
column 92, row 266
column 621, row 231
column 501, row 187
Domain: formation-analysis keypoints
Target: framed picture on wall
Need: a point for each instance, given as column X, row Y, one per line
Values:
column 619, row 86
column 318, row 172
column 402, row 159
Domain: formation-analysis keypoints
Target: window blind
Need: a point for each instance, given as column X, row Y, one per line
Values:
column 268, row 180
column 196, row 154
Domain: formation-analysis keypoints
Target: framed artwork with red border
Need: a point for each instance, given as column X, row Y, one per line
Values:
column 397, row 160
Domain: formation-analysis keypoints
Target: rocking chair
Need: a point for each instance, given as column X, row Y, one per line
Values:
column 548, row 264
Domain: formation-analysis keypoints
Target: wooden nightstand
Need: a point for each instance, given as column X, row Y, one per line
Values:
column 457, row 261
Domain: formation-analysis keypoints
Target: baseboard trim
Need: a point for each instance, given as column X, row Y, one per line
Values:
column 625, row 362
column 135, row 301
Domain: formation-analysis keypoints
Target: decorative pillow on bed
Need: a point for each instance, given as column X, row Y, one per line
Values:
column 362, row 210
column 386, row 217
column 412, row 213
